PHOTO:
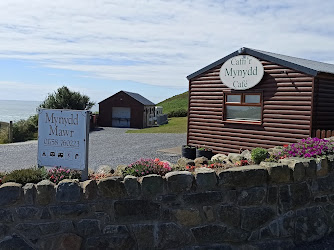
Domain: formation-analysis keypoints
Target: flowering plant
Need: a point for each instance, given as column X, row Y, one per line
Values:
column 241, row 163
column 99, row 176
column 57, row 174
column 309, row 147
column 147, row 166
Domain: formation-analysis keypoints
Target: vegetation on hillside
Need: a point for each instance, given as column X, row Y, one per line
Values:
column 176, row 125
column 176, row 106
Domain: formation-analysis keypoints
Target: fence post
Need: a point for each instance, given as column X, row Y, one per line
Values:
column 10, row 132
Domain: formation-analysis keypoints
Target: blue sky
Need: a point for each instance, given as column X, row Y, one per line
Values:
column 99, row 47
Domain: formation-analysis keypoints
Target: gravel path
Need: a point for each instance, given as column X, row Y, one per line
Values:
column 108, row 146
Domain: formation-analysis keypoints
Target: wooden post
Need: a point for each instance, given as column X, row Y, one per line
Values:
column 84, row 173
column 10, row 132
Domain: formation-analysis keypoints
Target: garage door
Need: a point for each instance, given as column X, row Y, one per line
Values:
column 121, row 117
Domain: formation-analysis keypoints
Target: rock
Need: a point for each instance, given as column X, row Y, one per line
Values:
column 272, row 195
column 105, row 169
column 89, row 189
column 187, row 217
column 116, row 237
column 299, row 170
column 183, row 162
column 151, row 185
column 252, row 196
column 209, row 234
column 131, row 186
column 245, row 176
column 111, row 187
column 233, row 157
column 88, row 227
column 278, row 172
column 246, row 154
column 171, row 236
column 219, row 157
column 76, row 210
column 119, row 170
column 255, row 217
column 236, row 235
column 45, row 192
column 208, row 213
column 209, row 197
column 129, row 210
column 63, row 241
column 26, row 213
column 230, row 215
column 29, row 193
column 293, row 196
column 35, row 231
column 14, row 242
column 6, row 216
column 322, row 167
column 10, row 193
column 200, row 161
column 325, row 184
column 179, row 181
column 68, row 191
column 144, row 234
column 311, row 224
column 206, row 179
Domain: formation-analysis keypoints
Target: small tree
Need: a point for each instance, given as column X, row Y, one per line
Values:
column 63, row 98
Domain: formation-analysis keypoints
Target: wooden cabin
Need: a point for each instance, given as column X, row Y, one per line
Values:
column 253, row 98
column 126, row 110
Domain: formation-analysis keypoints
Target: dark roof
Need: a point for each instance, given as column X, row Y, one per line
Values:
column 135, row 96
column 140, row 98
column 306, row 66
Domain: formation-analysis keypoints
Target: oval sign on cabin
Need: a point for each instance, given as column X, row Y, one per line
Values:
column 241, row 72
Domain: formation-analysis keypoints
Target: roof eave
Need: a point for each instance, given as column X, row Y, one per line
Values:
column 260, row 55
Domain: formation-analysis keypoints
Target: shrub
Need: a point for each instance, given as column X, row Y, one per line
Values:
column 259, row 154
column 23, row 176
column 24, row 130
column 309, row 147
column 57, row 174
column 4, row 135
column 147, row 166
column 178, row 113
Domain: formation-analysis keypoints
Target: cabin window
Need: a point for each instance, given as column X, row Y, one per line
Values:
column 243, row 107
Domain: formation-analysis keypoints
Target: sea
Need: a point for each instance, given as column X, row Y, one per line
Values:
column 13, row 110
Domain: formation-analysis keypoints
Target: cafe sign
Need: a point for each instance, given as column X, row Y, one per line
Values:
column 63, row 138
column 241, row 72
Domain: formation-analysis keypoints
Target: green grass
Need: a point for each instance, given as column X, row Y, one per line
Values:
column 176, row 125
column 175, row 103
column 4, row 125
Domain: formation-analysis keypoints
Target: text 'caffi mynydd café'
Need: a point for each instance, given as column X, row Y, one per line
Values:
column 253, row 98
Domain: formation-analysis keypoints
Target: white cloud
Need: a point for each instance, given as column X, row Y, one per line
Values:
column 159, row 42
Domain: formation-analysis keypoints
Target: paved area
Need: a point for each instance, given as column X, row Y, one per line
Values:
column 107, row 146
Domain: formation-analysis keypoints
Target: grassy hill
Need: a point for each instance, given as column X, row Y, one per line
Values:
column 178, row 102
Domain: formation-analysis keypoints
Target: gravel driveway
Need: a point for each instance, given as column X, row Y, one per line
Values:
column 108, row 146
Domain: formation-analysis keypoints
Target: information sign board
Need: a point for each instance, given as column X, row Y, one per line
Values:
column 63, row 138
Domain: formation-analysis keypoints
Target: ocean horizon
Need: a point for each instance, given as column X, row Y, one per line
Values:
column 15, row 110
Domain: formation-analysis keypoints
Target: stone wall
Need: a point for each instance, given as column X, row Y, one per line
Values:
column 260, row 207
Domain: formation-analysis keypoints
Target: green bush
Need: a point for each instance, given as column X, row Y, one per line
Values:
column 259, row 154
column 178, row 113
column 23, row 176
column 24, row 130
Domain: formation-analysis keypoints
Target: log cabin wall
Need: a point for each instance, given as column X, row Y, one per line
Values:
column 323, row 109
column 286, row 111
